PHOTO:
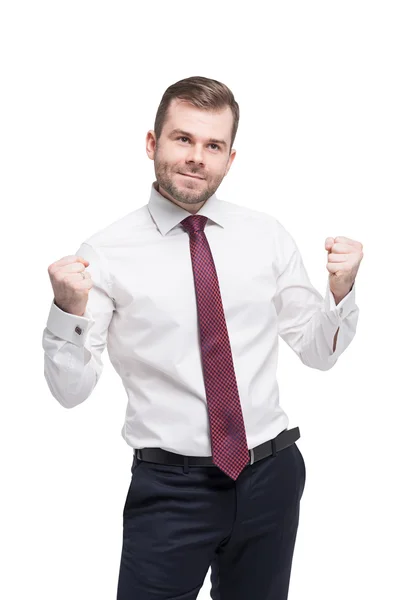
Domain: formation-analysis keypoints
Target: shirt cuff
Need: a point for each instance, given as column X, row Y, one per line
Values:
column 344, row 308
column 69, row 327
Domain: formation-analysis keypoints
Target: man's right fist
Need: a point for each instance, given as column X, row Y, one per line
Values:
column 71, row 290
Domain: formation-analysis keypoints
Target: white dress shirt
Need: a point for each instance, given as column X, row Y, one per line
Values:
column 143, row 307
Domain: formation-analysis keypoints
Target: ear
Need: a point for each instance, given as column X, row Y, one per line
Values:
column 151, row 144
column 230, row 161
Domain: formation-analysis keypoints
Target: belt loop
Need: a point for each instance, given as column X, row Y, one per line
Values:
column 273, row 445
column 252, row 456
column 186, row 464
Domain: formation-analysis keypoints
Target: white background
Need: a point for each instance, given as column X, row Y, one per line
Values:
column 318, row 147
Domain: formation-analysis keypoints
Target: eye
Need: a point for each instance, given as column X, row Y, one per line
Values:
column 184, row 138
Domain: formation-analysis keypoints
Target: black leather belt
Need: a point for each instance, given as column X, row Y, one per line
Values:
column 269, row 448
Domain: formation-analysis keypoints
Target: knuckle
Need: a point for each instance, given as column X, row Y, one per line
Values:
column 52, row 269
column 59, row 276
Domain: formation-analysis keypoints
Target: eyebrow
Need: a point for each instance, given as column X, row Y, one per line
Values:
column 187, row 134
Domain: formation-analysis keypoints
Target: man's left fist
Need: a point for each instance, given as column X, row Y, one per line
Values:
column 344, row 257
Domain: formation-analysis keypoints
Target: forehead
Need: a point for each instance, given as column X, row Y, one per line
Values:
column 183, row 115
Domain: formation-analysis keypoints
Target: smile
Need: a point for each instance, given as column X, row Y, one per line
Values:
column 192, row 176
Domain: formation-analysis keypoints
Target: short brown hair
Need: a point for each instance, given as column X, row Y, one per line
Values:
column 202, row 92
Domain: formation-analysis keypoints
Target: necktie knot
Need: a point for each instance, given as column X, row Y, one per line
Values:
column 194, row 223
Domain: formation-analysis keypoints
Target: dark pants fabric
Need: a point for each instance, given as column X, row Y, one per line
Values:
column 177, row 524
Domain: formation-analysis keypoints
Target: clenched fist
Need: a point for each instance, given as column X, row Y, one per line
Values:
column 344, row 258
column 71, row 284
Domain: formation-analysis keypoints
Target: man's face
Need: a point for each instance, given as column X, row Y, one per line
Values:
column 192, row 155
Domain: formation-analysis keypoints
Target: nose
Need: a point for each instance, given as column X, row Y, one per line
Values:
column 195, row 154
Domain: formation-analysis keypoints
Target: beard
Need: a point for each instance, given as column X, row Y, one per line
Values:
column 198, row 194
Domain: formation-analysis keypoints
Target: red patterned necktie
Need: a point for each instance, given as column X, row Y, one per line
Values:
column 228, row 435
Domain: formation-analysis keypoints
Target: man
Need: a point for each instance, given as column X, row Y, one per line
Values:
column 190, row 294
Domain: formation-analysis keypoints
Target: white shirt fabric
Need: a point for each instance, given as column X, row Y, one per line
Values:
column 142, row 306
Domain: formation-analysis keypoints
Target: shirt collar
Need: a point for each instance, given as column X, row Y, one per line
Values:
column 166, row 214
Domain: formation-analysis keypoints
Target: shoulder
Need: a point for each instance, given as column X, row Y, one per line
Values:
column 120, row 230
column 251, row 215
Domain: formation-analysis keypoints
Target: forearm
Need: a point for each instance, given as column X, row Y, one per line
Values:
column 321, row 343
column 70, row 371
column 337, row 300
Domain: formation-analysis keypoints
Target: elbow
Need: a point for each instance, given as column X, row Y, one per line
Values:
column 318, row 354
column 319, row 362
column 69, row 401
column 325, row 366
column 64, row 397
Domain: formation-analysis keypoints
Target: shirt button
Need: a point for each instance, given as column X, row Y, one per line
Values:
column 340, row 312
column 78, row 330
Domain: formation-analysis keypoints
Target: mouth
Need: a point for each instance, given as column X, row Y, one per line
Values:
column 191, row 176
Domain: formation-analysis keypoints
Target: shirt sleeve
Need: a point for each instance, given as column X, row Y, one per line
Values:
column 307, row 322
column 73, row 344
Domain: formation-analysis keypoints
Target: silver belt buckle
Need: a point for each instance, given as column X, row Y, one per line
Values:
column 251, row 456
